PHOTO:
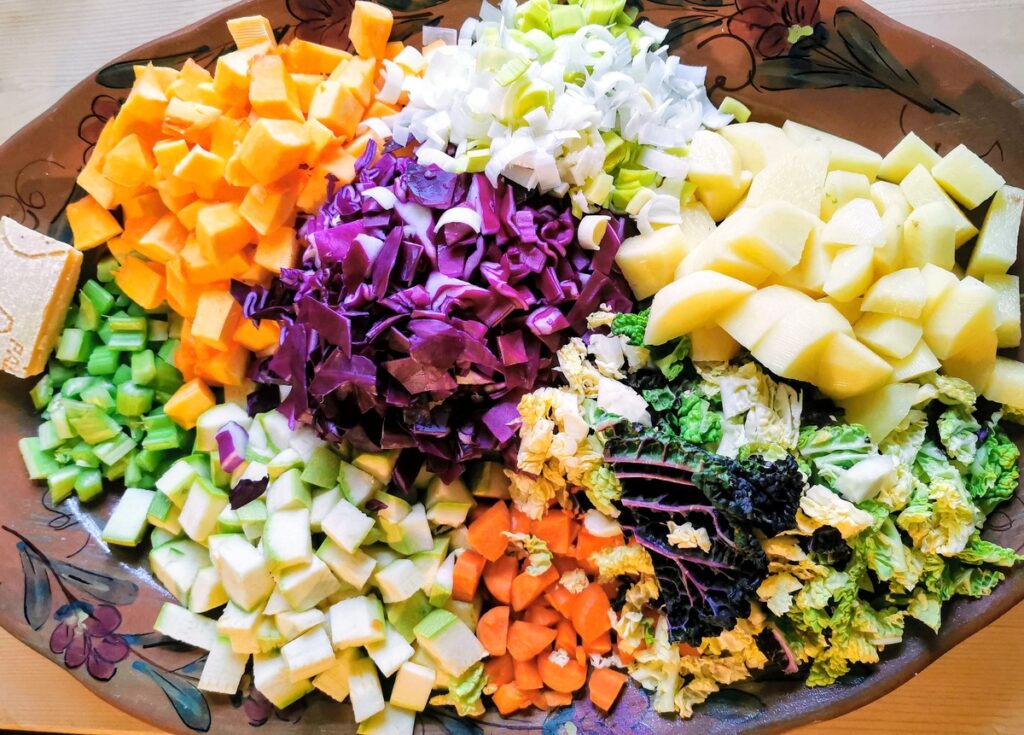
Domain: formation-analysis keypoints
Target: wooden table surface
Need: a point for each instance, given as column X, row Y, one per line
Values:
column 973, row 690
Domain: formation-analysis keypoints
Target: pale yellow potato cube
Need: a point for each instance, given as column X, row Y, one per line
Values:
column 722, row 258
column 929, row 236
column 773, row 235
column 843, row 154
column 810, row 273
column 966, row 177
column 888, row 196
column 937, row 282
column 975, row 364
column 996, row 248
column 749, row 321
column 849, row 368
column 758, row 144
column 851, row 273
column 851, row 310
column 695, row 224
column 722, row 199
column 963, row 318
column 1007, row 290
column 649, row 262
column 919, row 362
column 712, row 344
column 798, row 179
column 888, row 335
column 1006, row 385
column 692, row 301
column 882, row 410
column 901, row 293
column 889, row 257
column 920, row 188
column 713, row 161
column 842, row 187
column 856, row 223
column 908, row 154
column 793, row 346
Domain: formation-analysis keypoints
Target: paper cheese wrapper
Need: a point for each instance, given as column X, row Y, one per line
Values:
column 38, row 277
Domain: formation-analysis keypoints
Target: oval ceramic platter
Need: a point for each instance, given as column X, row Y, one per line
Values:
column 842, row 67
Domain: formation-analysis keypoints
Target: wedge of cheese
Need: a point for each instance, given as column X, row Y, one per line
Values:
column 39, row 279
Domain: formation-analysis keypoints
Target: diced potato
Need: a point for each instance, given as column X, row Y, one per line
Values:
column 712, row 344
column 920, row 188
column 714, row 163
column 975, row 364
column 1007, row 383
column 715, row 254
column 902, row 293
column 889, row 257
column 919, row 362
column 758, row 144
column 793, row 346
column 798, row 179
column 695, row 224
column 996, row 248
column 748, row 322
column 888, row 196
column 961, row 319
column 649, row 262
column 882, row 410
column 851, row 273
column 851, row 310
column 843, row 154
column 937, row 283
column 966, row 177
column 692, row 301
column 855, row 223
column 908, row 154
column 1007, row 290
column 810, row 273
column 772, row 235
column 842, row 187
column 929, row 236
column 723, row 199
column 891, row 336
column 848, row 369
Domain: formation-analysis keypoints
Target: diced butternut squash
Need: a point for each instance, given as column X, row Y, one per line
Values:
column 336, row 107
column 225, row 367
column 181, row 295
column 188, row 119
column 200, row 167
column 273, row 148
column 90, row 223
column 257, row 338
column 358, row 75
column 129, row 163
column 370, row 29
column 269, row 207
column 164, row 240
column 272, row 91
column 142, row 282
column 276, row 250
column 217, row 315
column 251, row 30
column 221, row 231
column 306, row 57
column 189, row 402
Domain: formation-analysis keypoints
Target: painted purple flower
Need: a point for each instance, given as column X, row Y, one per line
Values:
column 85, row 634
column 773, row 26
column 323, row 21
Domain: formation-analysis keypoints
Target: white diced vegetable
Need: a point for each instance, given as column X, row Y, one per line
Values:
column 223, row 670
column 413, row 686
column 356, row 621
column 286, row 539
column 128, row 523
column 390, row 653
column 186, row 626
column 309, row 654
column 273, row 680
column 347, row 526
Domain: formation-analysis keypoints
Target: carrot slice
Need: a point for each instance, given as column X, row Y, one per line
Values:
column 508, row 698
column 526, row 588
column 600, row 645
column 498, row 576
column 542, row 615
column 562, row 563
column 557, row 528
column 561, row 599
column 565, row 637
column 625, row 656
column 526, row 640
column 500, row 670
column 556, row 699
column 466, row 576
column 605, row 685
column 565, row 679
column 492, row 630
column 521, row 522
column 527, row 677
column 587, row 544
column 487, row 532
column 590, row 614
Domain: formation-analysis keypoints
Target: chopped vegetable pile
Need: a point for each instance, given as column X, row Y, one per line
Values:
column 508, row 368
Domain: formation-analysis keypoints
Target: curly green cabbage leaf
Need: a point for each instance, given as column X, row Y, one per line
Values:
column 832, row 449
column 958, row 432
column 940, row 516
column 980, row 551
column 464, row 692
column 631, row 326
column 993, row 474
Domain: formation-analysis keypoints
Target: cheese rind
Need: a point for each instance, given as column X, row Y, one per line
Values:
column 42, row 274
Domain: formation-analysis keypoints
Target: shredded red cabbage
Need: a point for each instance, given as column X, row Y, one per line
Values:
column 397, row 335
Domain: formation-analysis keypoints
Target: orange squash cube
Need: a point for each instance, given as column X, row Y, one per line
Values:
column 257, row 338
column 306, row 85
column 147, row 204
column 186, row 86
column 188, row 119
column 129, row 163
column 164, row 240
column 217, row 315
column 181, row 296
column 189, row 214
column 225, row 135
column 277, row 250
column 189, row 402
column 142, row 282
column 162, row 76
column 358, row 146
column 320, row 136
column 370, row 29
column 268, row 207
column 380, row 109
column 256, row 275
column 225, row 367
column 221, row 231
column 147, row 100
column 91, row 224
column 96, row 185
column 272, row 93
column 168, row 154
column 358, row 75
column 393, row 49
column 306, row 57
column 120, row 248
column 201, row 272
column 231, row 76
column 200, row 166
column 273, row 148
column 173, row 196
column 236, row 174
column 336, row 106
column 251, row 30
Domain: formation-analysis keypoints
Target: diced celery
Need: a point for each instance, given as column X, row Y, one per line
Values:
column 127, row 341
column 88, row 484
column 162, row 433
column 167, row 350
column 98, row 395
column 62, row 482
column 113, row 451
column 102, row 361
column 100, row 297
column 59, row 417
column 133, row 474
column 59, row 374
column 83, row 454
column 143, row 367
column 105, row 269
column 47, row 434
column 157, row 330
column 75, row 345
column 91, row 423
column 42, row 392
column 73, row 387
column 122, row 375
column 174, row 324
column 133, row 400
column 148, row 460
column 88, row 317
column 168, row 378
column 125, row 322
column 116, row 470
column 39, row 463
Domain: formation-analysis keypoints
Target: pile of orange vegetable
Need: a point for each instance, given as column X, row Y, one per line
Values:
column 539, row 633
column 210, row 170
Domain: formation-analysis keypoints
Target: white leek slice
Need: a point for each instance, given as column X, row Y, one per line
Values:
column 591, row 231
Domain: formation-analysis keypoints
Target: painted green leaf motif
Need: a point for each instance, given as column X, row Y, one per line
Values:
column 38, row 597
column 188, row 702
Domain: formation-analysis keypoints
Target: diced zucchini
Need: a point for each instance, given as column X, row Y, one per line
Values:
column 442, row 492
column 357, row 486
column 379, row 465
column 322, row 504
column 286, row 539
column 467, row 612
column 441, row 589
column 390, row 653
column 347, row 526
column 158, row 537
column 392, row 720
column 164, row 514
column 449, row 641
column 276, row 604
column 398, row 581
column 413, row 532
column 364, row 690
column 334, row 681
column 271, row 677
column 176, row 565
column 406, row 615
column 356, row 621
column 269, row 637
column 243, row 572
column 488, row 480
column 322, row 468
column 186, row 626
column 353, row 569
column 216, row 419
column 127, row 524
column 241, row 627
column 202, row 507
column 307, row 585
column 288, row 492
column 223, row 670
column 293, row 624
column 412, row 687
column 309, row 654
column 207, row 591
